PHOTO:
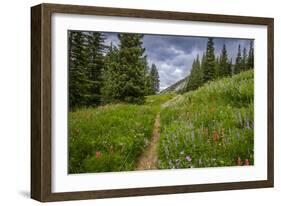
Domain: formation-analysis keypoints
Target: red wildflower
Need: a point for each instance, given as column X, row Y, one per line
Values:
column 247, row 162
column 215, row 136
column 98, row 154
column 239, row 162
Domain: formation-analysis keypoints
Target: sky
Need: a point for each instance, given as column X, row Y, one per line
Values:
column 173, row 55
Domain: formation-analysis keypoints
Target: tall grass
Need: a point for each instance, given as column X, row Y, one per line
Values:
column 210, row 127
column 111, row 137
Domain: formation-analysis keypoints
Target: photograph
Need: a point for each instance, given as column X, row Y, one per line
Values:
column 152, row 101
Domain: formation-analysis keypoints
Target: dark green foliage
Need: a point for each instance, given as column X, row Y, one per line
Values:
column 154, row 78
column 217, row 67
column 95, row 65
column 238, row 67
column 126, row 70
column 250, row 61
column 86, row 64
column 224, row 65
column 209, row 66
column 244, row 60
column 79, row 83
column 196, row 76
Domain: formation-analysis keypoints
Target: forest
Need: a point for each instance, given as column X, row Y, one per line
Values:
column 120, row 121
column 101, row 74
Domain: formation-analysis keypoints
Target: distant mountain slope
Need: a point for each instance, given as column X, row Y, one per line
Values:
column 176, row 87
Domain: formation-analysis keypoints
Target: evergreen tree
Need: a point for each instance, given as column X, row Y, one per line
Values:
column 224, row 67
column 250, row 61
column 238, row 62
column 217, row 67
column 126, row 70
column 244, row 63
column 195, row 77
column 154, row 79
column 148, row 80
column 78, row 79
column 111, row 76
column 95, row 65
column 209, row 66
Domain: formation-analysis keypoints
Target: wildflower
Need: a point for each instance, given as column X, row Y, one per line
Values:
column 98, row 154
column 247, row 162
column 239, row 161
column 215, row 136
column 182, row 152
column 188, row 158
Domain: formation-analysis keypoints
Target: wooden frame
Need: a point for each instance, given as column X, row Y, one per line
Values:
column 41, row 101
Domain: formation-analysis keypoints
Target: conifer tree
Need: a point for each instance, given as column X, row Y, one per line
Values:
column 224, row 68
column 195, row 77
column 209, row 66
column 126, row 70
column 244, row 60
column 95, row 65
column 154, row 79
column 250, row 61
column 78, row 79
column 217, row 67
column 238, row 62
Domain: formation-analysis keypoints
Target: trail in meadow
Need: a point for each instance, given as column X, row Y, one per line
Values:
column 148, row 159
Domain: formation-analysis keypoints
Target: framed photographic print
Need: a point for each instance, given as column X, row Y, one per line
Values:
column 132, row 102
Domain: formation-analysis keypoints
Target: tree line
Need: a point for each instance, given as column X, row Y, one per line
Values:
column 211, row 67
column 101, row 74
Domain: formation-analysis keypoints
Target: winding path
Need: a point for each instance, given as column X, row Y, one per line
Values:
column 148, row 160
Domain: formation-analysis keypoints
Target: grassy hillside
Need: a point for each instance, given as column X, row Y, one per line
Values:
column 111, row 137
column 212, row 126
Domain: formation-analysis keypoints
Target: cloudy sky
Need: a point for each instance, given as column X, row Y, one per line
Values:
column 173, row 55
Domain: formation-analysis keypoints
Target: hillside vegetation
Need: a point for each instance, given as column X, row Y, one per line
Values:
column 212, row 126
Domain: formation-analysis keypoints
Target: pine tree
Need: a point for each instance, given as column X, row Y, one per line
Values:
column 244, row 63
column 95, row 65
column 126, row 71
column 147, row 82
column 250, row 61
column 154, row 79
column 195, row 78
column 209, row 66
column 111, row 76
column 78, row 79
column 217, row 67
column 238, row 62
column 224, row 68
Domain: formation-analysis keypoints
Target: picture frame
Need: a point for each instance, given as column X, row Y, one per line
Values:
column 41, row 101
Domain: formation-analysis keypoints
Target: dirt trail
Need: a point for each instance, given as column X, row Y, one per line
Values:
column 148, row 159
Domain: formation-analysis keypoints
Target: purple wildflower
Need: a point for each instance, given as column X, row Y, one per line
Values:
column 188, row 158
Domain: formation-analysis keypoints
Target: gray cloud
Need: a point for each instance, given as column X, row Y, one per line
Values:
column 173, row 55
